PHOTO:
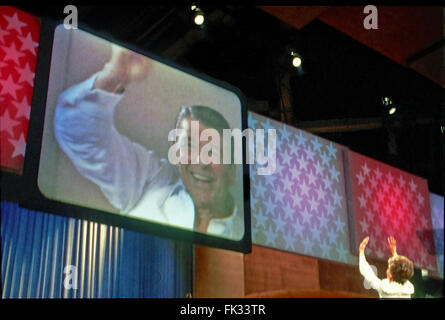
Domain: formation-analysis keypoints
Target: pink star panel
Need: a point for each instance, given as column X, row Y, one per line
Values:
column 386, row 201
column 437, row 214
column 19, row 39
column 302, row 206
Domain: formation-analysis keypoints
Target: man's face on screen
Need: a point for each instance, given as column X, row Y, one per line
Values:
column 207, row 184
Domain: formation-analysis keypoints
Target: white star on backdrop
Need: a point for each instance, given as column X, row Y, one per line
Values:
column 304, row 189
column 261, row 219
column 8, row 123
column 362, row 201
column 26, row 75
column 316, row 144
column 295, row 173
column 280, row 224
column 325, row 248
column 323, row 221
column 306, row 216
column 28, row 44
column 279, row 196
column 365, row 226
column 11, row 53
column 339, row 224
column 303, row 163
column 318, row 168
column 390, row 178
column 289, row 239
column 361, row 178
column 286, row 158
column 330, row 209
column 296, row 198
column 365, row 169
column 327, row 183
column 321, row 194
column 298, row 227
column 413, row 186
column 301, row 139
column 332, row 150
column 324, row 158
column 14, row 23
column 307, row 243
column 332, row 235
column 19, row 146
column 284, row 133
column 287, row 184
column 311, row 178
column 335, row 174
column 337, row 198
column 309, row 154
column 288, row 212
column 270, row 236
column 9, row 87
column 23, row 108
column 270, row 206
column 316, row 234
column 378, row 174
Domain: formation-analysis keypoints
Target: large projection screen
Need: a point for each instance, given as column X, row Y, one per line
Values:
column 108, row 151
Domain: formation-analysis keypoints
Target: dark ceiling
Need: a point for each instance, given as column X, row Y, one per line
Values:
column 337, row 97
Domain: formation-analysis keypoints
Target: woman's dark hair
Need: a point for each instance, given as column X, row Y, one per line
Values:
column 401, row 268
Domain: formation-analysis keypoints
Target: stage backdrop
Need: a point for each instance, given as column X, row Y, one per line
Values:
column 19, row 40
column 437, row 207
column 386, row 201
column 112, row 262
column 301, row 208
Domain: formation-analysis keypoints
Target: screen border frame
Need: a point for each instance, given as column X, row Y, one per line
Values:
column 32, row 198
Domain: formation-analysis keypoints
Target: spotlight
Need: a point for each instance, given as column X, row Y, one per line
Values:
column 386, row 101
column 296, row 62
column 390, row 107
column 198, row 18
column 296, row 59
column 392, row 110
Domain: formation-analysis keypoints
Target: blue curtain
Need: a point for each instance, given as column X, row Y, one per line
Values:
column 111, row 262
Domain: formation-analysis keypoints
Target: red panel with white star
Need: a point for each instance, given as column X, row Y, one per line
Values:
column 387, row 201
column 19, row 41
